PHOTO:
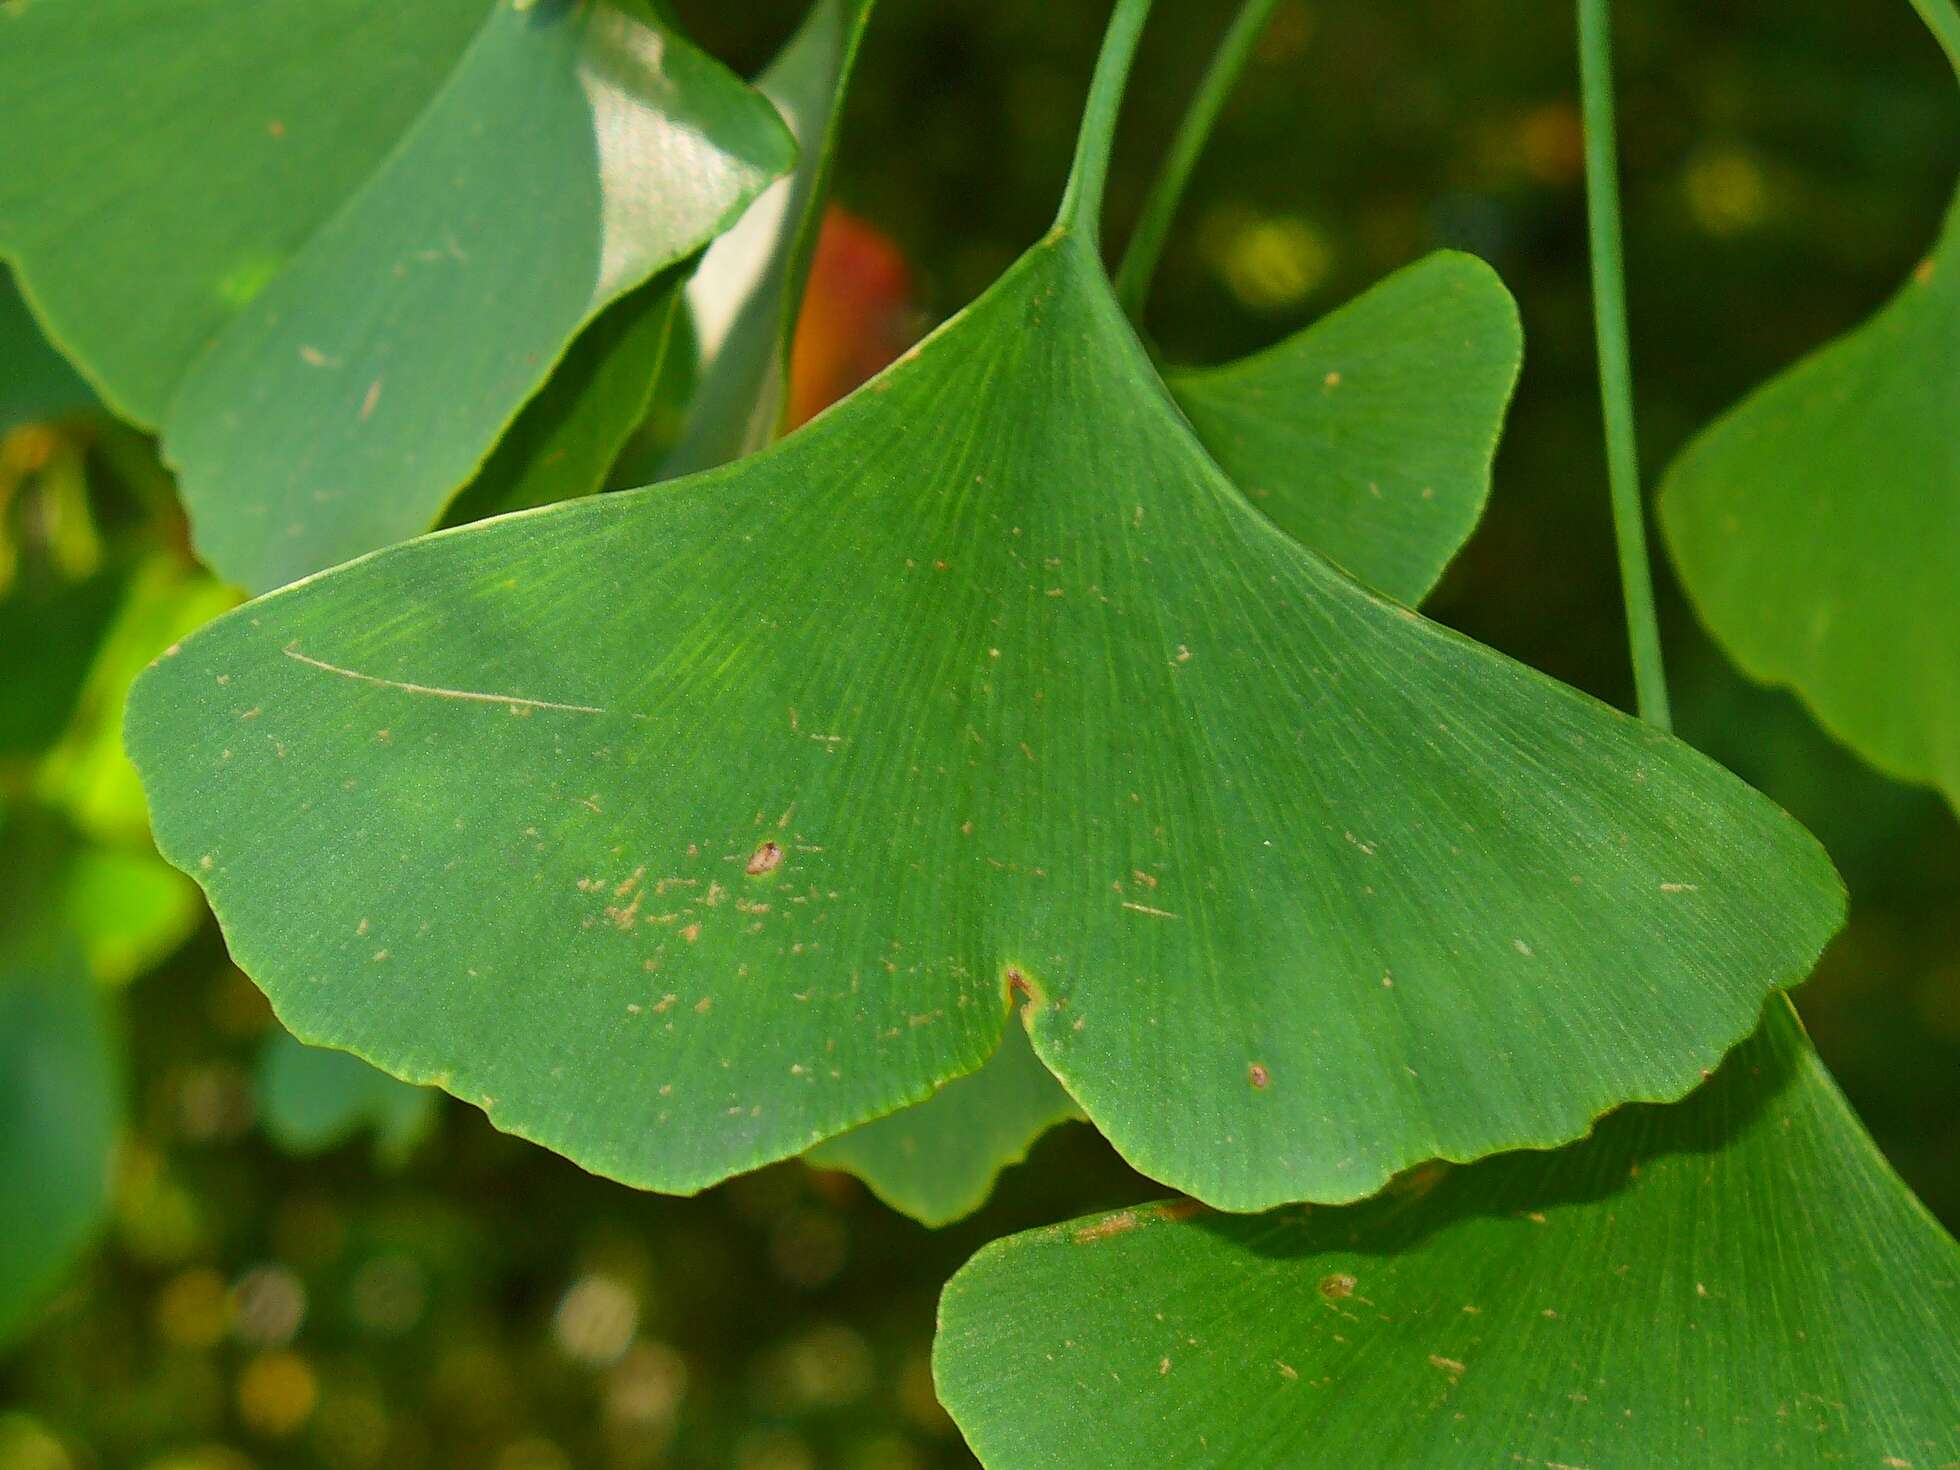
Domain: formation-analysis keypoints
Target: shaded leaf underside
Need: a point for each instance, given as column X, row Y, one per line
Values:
column 937, row 1160
column 996, row 683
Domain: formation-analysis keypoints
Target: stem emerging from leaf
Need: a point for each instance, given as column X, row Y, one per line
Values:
column 1615, row 367
column 1081, row 211
column 1146, row 245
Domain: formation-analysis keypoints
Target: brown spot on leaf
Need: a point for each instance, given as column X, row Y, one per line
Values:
column 1337, row 1287
column 1261, row 1078
column 766, row 859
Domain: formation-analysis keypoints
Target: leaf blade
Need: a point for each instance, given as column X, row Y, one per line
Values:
column 872, row 647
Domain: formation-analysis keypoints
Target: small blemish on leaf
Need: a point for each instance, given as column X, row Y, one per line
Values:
column 766, row 859
column 1337, row 1287
column 1261, row 1078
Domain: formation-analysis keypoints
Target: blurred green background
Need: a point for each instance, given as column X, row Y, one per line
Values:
column 435, row 1294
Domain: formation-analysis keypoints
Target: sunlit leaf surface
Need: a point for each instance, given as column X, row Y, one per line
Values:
column 746, row 295
column 1367, row 435
column 390, row 261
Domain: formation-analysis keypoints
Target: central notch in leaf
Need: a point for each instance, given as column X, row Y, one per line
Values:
column 1008, row 678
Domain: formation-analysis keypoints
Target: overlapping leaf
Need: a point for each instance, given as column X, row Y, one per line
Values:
column 1817, row 529
column 36, row 382
column 1736, row 1280
column 411, row 212
column 1369, row 435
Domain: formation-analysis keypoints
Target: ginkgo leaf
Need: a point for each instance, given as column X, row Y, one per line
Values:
column 358, row 373
column 1369, row 435
column 681, row 829
column 937, row 1160
column 1735, row 1280
column 1816, row 528
column 746, row 294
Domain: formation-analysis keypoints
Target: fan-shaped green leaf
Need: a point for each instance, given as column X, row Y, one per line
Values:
column 1369, row 435
column 58, row 1109
column 937, row 1160
column 1735, row 1280
column 1817, row 529
column 987, row 682
column 359, row 369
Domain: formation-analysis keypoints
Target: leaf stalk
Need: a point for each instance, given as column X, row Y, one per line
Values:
column 1615, row 364
column 1146, row 244
column 1082, row 201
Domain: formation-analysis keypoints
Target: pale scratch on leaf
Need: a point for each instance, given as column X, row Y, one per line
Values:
column 514, row 701
column 1144, row 908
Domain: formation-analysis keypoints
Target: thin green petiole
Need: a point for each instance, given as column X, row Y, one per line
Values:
column 1146, row 245
column 1615, row 367
column 1082, row 201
